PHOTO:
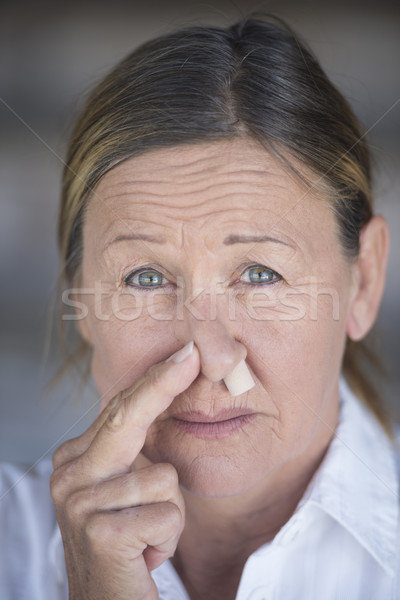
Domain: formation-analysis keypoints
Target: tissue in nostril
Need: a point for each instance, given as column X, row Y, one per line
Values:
column 239, row 379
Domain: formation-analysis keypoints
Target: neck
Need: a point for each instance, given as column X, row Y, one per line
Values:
column 221, row 533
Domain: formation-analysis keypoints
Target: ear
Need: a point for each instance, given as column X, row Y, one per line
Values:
column 369, row 278
column 84, row 330
column 81, row 317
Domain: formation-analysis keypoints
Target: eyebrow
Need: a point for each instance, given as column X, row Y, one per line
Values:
column 155, row 239
column 228, row 241
column 251, row 239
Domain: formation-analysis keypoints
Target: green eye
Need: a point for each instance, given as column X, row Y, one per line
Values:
column 149, row 278
column 259, row 274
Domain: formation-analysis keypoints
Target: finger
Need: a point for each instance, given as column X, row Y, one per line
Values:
column 123, row 433
column 152, row 530
column 153, row 484
column 73, row 448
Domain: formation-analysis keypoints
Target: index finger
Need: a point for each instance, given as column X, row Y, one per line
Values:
column 122, row 435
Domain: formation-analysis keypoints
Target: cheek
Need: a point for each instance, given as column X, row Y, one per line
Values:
column 298, row 363
column 300, row 333
column 123, row 352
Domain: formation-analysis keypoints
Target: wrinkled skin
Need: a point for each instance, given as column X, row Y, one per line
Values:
column 192, row 203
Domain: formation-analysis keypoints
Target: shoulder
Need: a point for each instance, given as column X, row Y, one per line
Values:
column 27, row 529
column 396, row 445
column 26, row 509
column 357, row 485
column 19, row 476
column 24, row 491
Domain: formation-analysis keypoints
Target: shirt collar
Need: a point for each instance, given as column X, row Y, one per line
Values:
column 357, row 484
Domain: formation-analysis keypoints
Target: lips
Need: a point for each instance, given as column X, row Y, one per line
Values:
column 223, row 415
column 221, row 425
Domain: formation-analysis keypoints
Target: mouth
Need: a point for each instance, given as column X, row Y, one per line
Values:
column 224, row 423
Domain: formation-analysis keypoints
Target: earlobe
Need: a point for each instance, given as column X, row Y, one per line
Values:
column 84, row 330
column 82, row 319
column 369, row 278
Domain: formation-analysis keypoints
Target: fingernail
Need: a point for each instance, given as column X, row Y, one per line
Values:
column 239, row 379
column 181, row 354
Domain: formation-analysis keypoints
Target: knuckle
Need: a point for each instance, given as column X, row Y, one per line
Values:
column 62, row 481
column 172, row 516
column 159, row 522
column 98, row 531
column 78, row 504
column 66, row 451
column 58, row 486
column 117, row 417
column 61, row 454
column 167, row 475
column 57, row 457
column 54, row 491
column 156, row 377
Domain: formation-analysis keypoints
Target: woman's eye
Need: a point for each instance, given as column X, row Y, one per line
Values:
column 148, row 278
column 259, row 274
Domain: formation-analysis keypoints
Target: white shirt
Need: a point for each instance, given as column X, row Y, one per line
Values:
column 342, row 542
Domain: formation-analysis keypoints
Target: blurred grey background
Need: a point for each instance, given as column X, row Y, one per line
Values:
column 50, row 54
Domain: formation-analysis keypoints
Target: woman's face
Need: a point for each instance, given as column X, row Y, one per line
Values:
column 220, row 244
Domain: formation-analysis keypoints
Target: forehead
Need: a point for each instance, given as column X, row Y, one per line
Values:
column 205, row 187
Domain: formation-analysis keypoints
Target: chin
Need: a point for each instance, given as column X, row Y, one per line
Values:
column 214, row 477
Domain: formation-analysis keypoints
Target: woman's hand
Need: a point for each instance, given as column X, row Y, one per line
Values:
column 118, row 524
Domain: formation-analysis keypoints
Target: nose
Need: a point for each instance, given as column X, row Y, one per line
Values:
column 214, row 336
column 219, row 351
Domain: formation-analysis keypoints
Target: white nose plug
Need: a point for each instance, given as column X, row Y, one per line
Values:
column 239, row 379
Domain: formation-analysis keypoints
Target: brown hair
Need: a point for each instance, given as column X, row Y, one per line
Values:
column 204, row 84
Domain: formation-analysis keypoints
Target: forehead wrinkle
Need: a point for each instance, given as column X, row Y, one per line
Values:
column 174, row 174
column 189, row 187
column 265, row 187
column 227, row 171
column 200, row 222
column 177, row 199
column 207, row 208
column 215, row 156
column 163, row 163
column 118, row 179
